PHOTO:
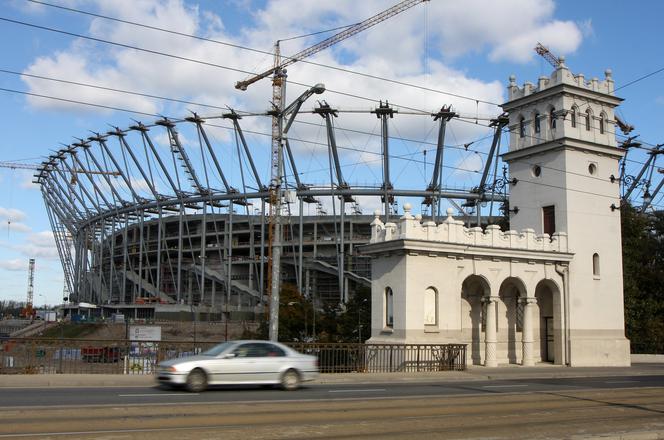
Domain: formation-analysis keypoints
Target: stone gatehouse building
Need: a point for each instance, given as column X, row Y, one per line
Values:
column 551, row 289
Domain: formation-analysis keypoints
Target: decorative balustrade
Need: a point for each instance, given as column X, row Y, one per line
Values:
column 452, row 231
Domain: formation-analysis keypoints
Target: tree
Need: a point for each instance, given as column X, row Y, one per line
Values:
column 643, row 278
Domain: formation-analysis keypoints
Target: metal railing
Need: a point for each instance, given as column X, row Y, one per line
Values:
column 385, row 358
column 71, row 356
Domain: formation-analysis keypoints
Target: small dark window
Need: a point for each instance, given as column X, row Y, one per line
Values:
column 601, row 125
column 537, row 171
column 596, row 265
column 389, row 308
column 588, row 117
column 549, row 219
column 573, row 118
column 522, row 127
column 536, row 119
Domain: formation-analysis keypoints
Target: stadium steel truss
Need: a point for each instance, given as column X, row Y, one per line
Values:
column 147, row 220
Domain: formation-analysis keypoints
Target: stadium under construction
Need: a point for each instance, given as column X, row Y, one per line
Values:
column 156, row 220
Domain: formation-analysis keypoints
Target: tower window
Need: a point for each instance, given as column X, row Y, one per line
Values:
column 549, row 219
column 536, row 120
column 573, row 118
column 588, row 118
column 592, row 169
column 596, row 264
column 602, row 123
column 522, row 127
column 389, row 308
column 552, row 118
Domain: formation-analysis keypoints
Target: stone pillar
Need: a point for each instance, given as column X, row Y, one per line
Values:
column 527, row 332
column 490, row 332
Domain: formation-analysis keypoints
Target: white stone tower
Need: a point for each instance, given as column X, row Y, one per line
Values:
column 562, row 154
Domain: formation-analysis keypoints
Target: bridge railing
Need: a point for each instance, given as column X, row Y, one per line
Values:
column 71, row 356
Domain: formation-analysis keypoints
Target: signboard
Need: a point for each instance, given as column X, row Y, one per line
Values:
column 144, row 333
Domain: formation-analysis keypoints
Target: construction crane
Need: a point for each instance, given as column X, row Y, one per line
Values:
column 28, row 311
column 545, row 53
column 278, row 73
column 74, row 172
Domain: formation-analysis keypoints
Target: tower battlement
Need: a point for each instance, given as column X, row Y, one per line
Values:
column 562, row 75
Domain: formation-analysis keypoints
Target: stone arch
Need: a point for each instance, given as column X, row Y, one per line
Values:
column 548, row 322
column 473, row 289
column 511, row 291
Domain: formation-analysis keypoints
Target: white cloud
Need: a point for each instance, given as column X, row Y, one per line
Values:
column 18, row 227
column 12, row 214
column 37, row 245
column 520, row 47
column 18, row 264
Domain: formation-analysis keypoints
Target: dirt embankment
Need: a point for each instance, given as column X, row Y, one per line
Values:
column 170, row 331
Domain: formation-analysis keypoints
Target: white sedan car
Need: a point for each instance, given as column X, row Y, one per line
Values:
column 240, row 362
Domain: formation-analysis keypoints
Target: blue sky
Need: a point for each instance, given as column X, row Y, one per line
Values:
column 468, row 48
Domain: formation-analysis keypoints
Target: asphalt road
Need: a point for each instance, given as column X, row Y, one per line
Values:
column 631, row 407
column 76, row 396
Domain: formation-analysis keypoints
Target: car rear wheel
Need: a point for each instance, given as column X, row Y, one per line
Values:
column 290, row 380
column 197, row 381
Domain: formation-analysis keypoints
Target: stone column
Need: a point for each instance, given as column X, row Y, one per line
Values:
column 490, row 332
column 527, row 332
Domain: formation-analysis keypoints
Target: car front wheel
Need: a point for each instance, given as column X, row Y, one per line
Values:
column 290, row 380
column 197, row 381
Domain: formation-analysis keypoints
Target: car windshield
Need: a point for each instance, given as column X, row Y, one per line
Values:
column 217, row 349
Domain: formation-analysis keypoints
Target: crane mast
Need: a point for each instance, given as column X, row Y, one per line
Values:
column 278, row 73
column 28, row 311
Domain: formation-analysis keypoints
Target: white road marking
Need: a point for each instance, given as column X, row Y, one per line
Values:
column 359, row 391
column 503, row 386
column 157, row 395
column 622, row 381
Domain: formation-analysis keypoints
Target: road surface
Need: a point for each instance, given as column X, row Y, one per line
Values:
column 509, row 409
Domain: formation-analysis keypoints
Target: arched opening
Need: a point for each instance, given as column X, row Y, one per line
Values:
column 602, row 123
column 596, row 264
column 573, row 116
column 430, row 307
column 536, row 121
column 389, row 308
column 473, row 289
column 588, row 119
column 522, row 127
column 510, row 320
column 548, row 323
column 552, row 118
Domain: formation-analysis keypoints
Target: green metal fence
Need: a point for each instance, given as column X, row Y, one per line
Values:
column 70, row 356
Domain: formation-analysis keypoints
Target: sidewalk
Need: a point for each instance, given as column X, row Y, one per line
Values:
column 512, row 372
